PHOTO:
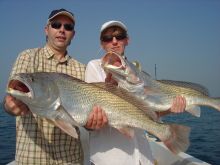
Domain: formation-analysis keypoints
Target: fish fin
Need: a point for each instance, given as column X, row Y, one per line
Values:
column 62, row 119
column 194, row 110
column 66, row 116
column 194, row 86
column 127, row 131
column 66, row 127
column 137, row 65
column 178, row 141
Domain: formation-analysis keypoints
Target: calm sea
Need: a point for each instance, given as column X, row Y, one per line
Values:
column 7, row 137
column 204, row 137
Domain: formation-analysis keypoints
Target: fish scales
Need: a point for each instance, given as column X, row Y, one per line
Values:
column 117, row 109
column 157, row 94
column 166, row 87
column 90, row 95
column 67, row 102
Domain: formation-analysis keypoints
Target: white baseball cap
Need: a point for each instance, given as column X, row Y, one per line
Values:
column 113, row 23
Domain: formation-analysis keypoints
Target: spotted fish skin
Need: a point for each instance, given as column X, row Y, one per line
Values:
column 67, row 102
column 157, row 94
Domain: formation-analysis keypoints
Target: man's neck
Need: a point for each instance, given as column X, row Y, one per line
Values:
column 58, row 53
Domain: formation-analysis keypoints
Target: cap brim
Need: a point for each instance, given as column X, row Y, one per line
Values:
column 62, row 13
column 111, row 24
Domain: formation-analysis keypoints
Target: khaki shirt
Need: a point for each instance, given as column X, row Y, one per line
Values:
column 39, row 142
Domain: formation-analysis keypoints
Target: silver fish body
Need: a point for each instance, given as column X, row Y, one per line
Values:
column 157, row 94
column 67, row 102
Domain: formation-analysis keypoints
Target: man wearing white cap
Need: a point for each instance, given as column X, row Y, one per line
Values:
column 107, row 145
column 37, row 140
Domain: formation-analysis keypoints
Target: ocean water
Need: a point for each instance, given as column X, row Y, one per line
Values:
column 205, row 134
column 204, row 137
column 7, row 137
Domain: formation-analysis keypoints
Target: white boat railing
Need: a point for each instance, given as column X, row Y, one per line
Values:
column 163, row 156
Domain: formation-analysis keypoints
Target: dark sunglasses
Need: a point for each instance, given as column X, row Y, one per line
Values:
column 57, row 25
column 109, row 38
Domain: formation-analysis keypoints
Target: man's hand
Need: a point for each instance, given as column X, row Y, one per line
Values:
column 179, row 105
column 15, row 107
column 97, row 119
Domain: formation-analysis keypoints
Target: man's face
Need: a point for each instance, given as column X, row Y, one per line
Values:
column 114, row 39
column 60, row 32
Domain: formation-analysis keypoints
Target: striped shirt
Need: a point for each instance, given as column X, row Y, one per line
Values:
column 37, row 141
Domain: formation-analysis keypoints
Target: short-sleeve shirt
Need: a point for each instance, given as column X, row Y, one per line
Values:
column 37, row 140
column 108, row 146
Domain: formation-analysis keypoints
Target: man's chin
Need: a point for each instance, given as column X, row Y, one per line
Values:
column 116, row 51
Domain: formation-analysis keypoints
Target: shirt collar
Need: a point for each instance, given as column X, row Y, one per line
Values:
column 50, row 54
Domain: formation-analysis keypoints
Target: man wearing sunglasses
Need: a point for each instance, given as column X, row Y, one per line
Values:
column 107, row 145
column 37, row 141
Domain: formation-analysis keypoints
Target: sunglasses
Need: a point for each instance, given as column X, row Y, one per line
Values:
column 109, row 38
column 57, row 25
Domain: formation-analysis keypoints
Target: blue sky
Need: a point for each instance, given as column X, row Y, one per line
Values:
column 181, row 36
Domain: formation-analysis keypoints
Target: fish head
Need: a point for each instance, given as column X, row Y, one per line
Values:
column 121, row 69
column 34, row 89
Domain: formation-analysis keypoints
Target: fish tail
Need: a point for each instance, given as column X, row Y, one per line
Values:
column 194, row 110
column 179, row 138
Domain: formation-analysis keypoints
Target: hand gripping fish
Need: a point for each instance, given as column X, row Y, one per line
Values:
column 67, row 101
column 157, row 94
